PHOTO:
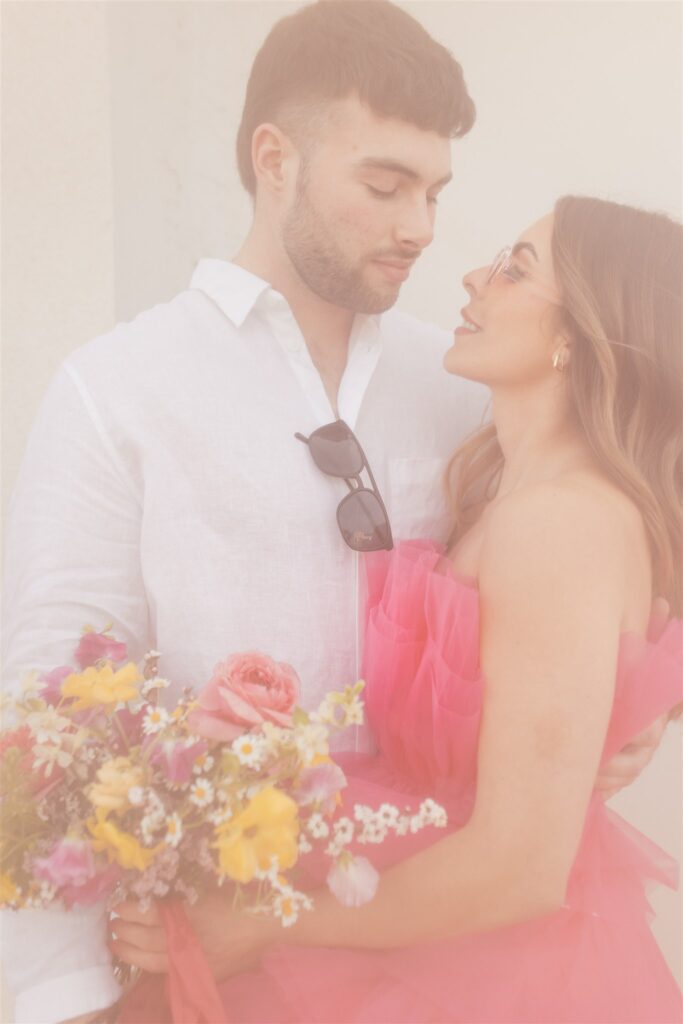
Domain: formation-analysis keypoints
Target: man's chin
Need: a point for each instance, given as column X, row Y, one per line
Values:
column 377, row 300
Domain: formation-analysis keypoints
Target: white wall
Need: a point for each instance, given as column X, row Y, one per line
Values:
column 118, row 129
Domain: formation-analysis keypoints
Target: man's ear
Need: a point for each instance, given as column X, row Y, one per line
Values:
column 274, row 158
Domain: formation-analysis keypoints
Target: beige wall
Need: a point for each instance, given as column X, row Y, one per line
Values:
column 118, row 128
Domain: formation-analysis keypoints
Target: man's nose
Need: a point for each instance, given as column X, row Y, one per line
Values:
column 416, row 228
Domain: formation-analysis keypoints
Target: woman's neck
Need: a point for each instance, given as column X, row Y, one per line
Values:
column 538, row 436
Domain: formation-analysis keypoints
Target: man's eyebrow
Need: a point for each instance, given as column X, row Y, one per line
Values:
column 386, row 164
column 520, row 246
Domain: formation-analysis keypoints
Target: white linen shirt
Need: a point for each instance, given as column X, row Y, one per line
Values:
column 163, row 491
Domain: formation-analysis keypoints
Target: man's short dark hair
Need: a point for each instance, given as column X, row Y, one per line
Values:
column 337, row 48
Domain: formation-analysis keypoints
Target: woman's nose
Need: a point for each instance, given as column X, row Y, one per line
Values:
column 475, row 280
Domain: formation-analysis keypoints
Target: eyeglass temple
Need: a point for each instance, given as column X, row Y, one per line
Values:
column 300, row 437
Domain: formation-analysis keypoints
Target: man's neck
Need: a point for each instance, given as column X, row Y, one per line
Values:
column 326, row 328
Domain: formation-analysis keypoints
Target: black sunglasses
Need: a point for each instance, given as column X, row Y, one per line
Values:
column 361, row 515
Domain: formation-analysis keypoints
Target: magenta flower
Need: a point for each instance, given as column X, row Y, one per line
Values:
column 70, row 863
column 52, row 690
column 353, row 880
column 95, row 889
column 94, row 647
column 245, row 691
column 320, row 785
column 176, row 759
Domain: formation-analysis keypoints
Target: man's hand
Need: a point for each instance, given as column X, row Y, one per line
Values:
column 232, row 940
column 625, row 767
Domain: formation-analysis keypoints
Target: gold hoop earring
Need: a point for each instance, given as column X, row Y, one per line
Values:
column 559, row 360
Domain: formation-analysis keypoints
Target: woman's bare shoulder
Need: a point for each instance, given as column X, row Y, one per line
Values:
column 575, row 531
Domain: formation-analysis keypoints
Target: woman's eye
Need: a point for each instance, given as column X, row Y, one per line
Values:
column 514, row 273
column 381, row 193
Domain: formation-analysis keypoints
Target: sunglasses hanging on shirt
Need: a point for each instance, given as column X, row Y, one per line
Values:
column 361, row 515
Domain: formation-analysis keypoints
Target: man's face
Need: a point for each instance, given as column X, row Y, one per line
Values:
column 363, row 207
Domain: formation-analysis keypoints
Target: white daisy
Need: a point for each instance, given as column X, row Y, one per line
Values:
column 155, row 683
column 136, row 796
column 204, row 763
column 174, row 830
column 249, row 750
column 201, row 793
column 155, row 719
column 311, row 742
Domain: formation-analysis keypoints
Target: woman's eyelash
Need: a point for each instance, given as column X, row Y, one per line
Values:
column 514, row 273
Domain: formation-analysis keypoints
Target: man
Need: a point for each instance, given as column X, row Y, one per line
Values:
column 164, row 489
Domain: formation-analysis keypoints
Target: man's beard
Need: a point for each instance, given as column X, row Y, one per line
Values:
column 322, row 265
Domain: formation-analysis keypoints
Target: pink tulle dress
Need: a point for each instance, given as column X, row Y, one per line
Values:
column 593, row 961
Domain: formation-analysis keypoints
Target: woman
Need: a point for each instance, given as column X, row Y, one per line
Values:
column 568, row 515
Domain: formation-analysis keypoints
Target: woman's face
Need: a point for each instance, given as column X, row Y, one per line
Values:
column 509, row 332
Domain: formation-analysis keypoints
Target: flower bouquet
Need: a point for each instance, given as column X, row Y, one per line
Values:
column 109, row 795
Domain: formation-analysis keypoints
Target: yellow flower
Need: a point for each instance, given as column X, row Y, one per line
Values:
column 118, row 845
column 8, row 890
column 114, row 780
column 268, row 827
column 98, row 686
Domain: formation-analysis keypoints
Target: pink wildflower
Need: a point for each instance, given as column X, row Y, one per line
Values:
column 353, row 880
column 94, row 647
column 70, row 863
column 95, row 889
column 176, row 759
column 320, row 785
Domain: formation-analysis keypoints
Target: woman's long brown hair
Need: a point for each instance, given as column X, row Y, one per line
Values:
column 620, row 271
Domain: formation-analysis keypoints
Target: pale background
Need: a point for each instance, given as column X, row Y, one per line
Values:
column 118, row 131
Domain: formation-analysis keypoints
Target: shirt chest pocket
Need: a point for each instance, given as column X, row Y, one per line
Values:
column 416, row 499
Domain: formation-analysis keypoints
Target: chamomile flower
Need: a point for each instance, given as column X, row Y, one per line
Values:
column 204, row 763
column 318, row 827
column 286, row 907
column 433, row 814
column 155, row 683
column 155, row 719
column 201, row 793
column 249, row 750
column 174, row 830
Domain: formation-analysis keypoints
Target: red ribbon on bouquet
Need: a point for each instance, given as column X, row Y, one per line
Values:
column 188, row 993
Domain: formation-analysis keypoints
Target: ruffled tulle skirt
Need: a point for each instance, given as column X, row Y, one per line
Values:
column 593, row 962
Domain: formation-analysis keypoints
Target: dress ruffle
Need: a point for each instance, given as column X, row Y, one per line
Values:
column 593, row 962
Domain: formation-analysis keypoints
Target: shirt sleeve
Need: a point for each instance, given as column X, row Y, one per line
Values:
column 57, row 965
column 72, row 558
column 73, row 538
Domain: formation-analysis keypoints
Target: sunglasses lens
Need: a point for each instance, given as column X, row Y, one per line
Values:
column 363, row 522
column 335, row 450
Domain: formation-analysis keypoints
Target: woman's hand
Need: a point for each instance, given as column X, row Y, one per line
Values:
column 232, row 941
column 139, row 938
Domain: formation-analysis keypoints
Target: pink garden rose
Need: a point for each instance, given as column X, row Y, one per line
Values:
column 70, row 863
column 94, row 647
column 245, row 691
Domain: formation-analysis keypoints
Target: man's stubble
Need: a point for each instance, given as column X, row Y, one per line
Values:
column 321, row 262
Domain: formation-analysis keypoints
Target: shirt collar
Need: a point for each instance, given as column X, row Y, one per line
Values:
column 234, row 290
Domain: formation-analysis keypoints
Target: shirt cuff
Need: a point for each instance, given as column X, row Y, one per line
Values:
column 69, row 995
